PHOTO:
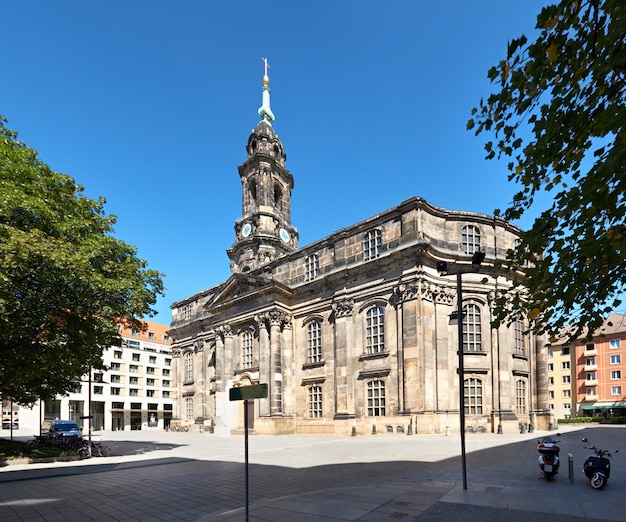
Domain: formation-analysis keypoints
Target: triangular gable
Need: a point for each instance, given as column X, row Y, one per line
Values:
column 245, row 286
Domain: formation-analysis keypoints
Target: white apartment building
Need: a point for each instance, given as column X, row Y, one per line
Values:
column 134, row 393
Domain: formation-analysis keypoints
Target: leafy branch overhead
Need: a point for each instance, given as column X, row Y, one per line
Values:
column 65, row 281
column 558, row 118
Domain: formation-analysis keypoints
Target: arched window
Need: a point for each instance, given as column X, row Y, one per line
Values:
column 252, row 188
column 376, row 398
column 314, row 342
column 246, row 352
column 472, row 338
column 372, row 243
column 312, row 266
column 315, row 402
column 278, row 197
column 473, row 392
column 520, row 396
column 375, row 330
column 470, row 239
column 188, row 367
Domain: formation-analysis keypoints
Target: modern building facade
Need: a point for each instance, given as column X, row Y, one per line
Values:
column 561, row 382
column 352, row 333
column 134, row 393
column 599, row 370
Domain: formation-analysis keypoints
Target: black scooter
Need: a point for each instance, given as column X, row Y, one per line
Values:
column 597, row 467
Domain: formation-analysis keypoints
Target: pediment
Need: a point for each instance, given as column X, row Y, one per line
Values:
column 246, row 287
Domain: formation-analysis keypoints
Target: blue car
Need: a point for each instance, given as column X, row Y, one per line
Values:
column 64, row 428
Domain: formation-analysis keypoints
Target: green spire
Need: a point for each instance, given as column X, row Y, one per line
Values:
column 265, row 113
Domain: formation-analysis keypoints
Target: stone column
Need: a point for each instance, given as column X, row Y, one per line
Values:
column 219, row 361
column 289, row 405
column 264, row 362
column 276, row 318
column 342, row 311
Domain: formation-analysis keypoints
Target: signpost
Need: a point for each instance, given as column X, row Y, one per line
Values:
column 245, row 394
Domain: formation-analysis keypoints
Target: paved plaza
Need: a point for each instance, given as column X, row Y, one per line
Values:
column 201, row 477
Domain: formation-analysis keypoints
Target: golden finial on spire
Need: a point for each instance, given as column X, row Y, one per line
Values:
column 266, row 78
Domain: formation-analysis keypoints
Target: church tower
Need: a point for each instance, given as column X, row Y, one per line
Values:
column 264, row 230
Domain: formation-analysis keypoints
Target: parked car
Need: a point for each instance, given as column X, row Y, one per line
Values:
column 6, row 425
column 64, row 428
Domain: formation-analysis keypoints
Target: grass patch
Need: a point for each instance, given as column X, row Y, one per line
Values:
column 13, row 449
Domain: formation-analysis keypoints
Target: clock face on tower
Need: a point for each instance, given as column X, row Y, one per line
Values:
column 284, row 235
column 245, row 231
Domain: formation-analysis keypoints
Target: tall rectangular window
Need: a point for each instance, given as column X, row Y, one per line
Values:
column 314, row 342
column 616, row 359
column 376, row 398
column 375, row 330
column 616, row 375
column 315, row 402
column 473, row 389
column 188, row 367
column 520, row 396
column 189, row 408
column 472, row 335
column 247, row 353
column 520, row 349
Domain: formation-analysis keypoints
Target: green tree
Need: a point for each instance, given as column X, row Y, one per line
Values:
column 558, row 118
column 65, row 281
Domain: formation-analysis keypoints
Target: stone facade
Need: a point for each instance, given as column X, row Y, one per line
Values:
column 352, row 333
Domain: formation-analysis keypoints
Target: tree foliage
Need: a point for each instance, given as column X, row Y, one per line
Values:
column 65, row 282
column 559, row 117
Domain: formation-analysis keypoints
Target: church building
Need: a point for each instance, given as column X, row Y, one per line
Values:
column 355, row 333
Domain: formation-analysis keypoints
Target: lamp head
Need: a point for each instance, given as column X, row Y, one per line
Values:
column 477, row 259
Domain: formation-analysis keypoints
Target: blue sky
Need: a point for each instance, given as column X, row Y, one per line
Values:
column 149, row 103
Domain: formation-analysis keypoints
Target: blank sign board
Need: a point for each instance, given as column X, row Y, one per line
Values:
column 255, row 391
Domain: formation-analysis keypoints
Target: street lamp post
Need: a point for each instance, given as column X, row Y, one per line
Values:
column 442, row 267
column 459, row 308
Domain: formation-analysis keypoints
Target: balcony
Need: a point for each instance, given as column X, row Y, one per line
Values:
column 590, row 352
column 590, row 397
column 591, row 382
column 591, row 367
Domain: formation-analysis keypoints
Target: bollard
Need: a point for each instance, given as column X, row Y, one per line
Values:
column 354, row 431
column 374, row 429
column 570, row 461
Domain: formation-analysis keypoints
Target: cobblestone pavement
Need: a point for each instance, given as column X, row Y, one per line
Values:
column 192, row 477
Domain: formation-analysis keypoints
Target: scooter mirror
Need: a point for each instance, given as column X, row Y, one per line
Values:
column 585, row 439
column 559, row 434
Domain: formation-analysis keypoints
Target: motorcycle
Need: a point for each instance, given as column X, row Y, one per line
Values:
column 597, row 467
column 549, row 457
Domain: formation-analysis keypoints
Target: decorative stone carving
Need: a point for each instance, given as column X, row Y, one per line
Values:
column 343, row 307
column 406, row 291
column 223, row 331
